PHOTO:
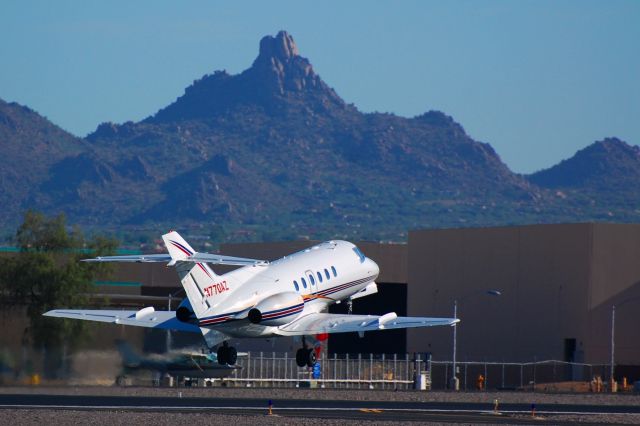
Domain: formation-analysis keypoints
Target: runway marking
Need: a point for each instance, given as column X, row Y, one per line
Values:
column 202, row 409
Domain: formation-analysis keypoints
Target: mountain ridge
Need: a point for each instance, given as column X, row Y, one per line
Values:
column 275, row 150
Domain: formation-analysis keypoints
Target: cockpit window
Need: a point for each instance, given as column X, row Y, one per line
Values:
column 359, row 254
column 304, row 282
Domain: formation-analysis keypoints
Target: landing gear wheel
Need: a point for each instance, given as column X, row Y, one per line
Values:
column 232, row 355
column 300, row 357
column 311, row 357
column 222, row 355
column 227, row 355
column 305, row 357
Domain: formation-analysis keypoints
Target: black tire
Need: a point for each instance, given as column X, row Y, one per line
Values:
column 222, row 355
column 311, row 357
column 232, row 355
column 301, row 357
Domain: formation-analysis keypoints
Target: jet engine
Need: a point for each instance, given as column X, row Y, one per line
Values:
column 184, row 313
column 278, row 309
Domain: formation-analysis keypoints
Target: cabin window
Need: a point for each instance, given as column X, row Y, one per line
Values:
column 313, row 280
column 319, row 276
column 304, row 283
column 295, row 284
column 326, row 273
column 335, row 273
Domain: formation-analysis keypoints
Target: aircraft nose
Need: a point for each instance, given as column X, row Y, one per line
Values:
column 372, row 267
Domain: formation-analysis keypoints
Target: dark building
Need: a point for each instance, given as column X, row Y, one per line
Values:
column 558, row 285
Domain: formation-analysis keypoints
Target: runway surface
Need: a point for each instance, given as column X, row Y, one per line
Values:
column 398, row 411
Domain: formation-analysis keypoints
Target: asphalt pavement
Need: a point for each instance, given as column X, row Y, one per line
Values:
column 398, row 411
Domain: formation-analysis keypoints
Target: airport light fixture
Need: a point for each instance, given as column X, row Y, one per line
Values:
column 613, row 343
column 454, row 378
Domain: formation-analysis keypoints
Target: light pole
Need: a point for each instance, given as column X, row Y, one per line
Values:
column 613, row 341
column 454, row 378
column 613, row 344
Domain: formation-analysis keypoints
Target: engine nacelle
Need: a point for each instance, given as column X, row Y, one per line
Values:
column 184, row 313
column 279, row 309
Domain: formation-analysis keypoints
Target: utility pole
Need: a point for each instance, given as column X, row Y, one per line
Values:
column 613, row 331
column 454, row 378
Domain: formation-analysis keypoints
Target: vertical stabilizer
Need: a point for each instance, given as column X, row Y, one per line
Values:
column 198, row 280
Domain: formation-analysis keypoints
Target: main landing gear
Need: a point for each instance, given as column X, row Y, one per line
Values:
column 227, row 354
column 305, row 356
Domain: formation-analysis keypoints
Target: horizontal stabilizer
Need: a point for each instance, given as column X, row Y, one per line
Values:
column 146, row 317
column 215, row 259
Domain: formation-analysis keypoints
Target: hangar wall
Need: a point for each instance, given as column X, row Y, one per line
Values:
column 615, row 279
column 557, row 282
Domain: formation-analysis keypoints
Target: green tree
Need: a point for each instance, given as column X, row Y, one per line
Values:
column 48, row 274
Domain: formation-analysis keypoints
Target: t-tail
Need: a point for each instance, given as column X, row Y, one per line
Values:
column 198, row 279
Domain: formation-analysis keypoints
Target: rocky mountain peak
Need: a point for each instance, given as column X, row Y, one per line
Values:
column 278, row 78
column 281, row 47
column 280, row 67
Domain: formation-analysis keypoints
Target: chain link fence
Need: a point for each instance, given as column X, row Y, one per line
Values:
column 403, row 371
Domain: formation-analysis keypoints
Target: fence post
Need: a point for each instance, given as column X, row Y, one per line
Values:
column 370, row 371
column 323, row 364
column 486, row 376
column 248, row 366
column 395, row 371
column 535, row 363
column 335, row 365
column 347, row 371
column 286, row 369
column 503, row 373
column 359, row 371
column 416, row 368
column 521, row 376
column 466, row 364
column 261, row 362
column 446, row 375
column 406, row 370
column 383, row 356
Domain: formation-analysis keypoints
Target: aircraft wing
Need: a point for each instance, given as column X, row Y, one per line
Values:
column 217, row 259
column 317, row 323
column 146, row 317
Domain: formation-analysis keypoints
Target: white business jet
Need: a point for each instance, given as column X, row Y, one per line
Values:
column 286, row 297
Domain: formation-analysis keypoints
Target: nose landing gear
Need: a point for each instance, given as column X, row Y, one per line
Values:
column 227, row 354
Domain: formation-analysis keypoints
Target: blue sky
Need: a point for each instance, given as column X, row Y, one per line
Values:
column 537, row 80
